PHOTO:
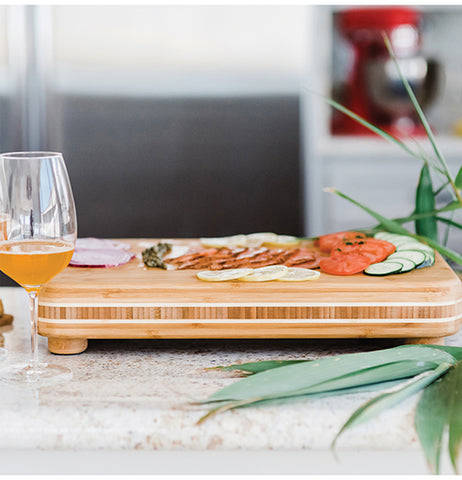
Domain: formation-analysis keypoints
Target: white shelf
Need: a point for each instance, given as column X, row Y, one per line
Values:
column 356, row 147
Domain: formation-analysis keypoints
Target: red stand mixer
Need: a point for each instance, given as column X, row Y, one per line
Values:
column 373, row 88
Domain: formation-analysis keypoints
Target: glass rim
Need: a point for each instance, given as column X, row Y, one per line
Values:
column 28, row 155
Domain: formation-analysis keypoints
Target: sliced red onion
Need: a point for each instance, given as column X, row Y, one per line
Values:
column 92, row 243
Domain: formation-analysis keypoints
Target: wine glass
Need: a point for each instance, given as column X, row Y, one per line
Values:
column 38, row 229
column 3, row 224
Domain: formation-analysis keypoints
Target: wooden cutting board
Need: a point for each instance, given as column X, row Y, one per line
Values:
column 132, row 301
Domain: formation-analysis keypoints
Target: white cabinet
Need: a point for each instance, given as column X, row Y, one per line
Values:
column 369, row 169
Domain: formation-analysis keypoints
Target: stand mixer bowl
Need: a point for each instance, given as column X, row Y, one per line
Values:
column 386, row 90
column 373, row 88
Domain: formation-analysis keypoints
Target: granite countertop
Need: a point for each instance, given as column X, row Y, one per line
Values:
column 135, row 395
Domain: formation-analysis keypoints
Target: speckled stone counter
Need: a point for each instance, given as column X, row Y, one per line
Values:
column 135, row 395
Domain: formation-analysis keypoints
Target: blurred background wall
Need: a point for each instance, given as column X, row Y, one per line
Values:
column 174, row 121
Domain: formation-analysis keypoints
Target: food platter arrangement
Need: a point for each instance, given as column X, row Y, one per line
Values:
column 260, row 285
column 267, row 256
column 241, row 257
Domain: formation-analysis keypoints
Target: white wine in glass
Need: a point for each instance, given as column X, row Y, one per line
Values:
column 37, row 238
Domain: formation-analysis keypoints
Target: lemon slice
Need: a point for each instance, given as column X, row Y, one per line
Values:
column 283, row 241
column 264, row 274
column 223, row 275
column 219, row 242
column 300, row 275
column 258, row 239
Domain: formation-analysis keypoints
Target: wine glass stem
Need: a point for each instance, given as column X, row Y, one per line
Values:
column 33, row 304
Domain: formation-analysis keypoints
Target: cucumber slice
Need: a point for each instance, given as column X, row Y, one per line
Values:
column 408, row 264
column 428, row 262
column 398, row 240
column 391, row 237
column 383, row 268
column 429, row 258
column 417, row 256
column 406, row 241
column 383, row 235
column 427, row 251
column 415, row 246
column 379, row 235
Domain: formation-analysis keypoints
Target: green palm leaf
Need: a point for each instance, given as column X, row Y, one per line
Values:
column 435, row 368
column 258, row 402
column 455, row 419
column 455, row 352
column 389, row 399
column 300, row 377
column 431, row 417
column 257, row 367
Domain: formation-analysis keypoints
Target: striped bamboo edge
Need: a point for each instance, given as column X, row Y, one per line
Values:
column 253, row 312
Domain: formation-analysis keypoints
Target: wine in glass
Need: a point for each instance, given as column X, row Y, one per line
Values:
column 37, row 240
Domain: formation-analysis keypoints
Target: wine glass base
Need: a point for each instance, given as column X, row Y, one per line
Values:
column 40, row 374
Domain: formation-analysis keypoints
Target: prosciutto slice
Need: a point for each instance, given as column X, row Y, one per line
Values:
column 225, row 258
column 96, row 252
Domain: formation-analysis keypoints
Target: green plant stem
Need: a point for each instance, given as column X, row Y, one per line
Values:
column 423, row 119
column 380, row 132
column 437, row 192
column 387, row 223
column 410, row 218
column 449, row 221
column 429, row 161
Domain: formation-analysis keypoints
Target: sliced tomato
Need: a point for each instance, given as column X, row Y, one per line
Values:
column 379, row 248
column 389, row 247
column 345, row 264
column 376, row 250
column 327, row 242
column 347, row 247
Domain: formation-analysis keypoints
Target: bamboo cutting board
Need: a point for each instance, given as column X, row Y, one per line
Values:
column 132, row 301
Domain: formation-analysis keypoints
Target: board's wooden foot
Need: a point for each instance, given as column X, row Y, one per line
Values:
column 67, row 346
column 425, row 341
